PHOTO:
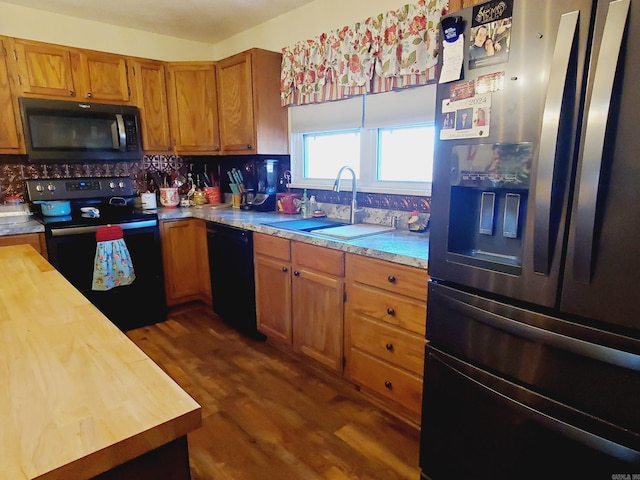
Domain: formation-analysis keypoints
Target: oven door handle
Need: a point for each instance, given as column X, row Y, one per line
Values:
column 65, row 231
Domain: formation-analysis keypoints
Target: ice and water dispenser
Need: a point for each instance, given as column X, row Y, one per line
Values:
column 489, row 197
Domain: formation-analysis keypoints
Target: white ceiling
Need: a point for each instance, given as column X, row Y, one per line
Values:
column 209, row 21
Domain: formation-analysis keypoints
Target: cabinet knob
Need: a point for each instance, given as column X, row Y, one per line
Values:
column 388, row 384
column 391, row 311
column 389, row 346
column 249, row 146
column 72, row 93
column 391, row 279
column 89, row 94
column 296, row 273
column 285, row 269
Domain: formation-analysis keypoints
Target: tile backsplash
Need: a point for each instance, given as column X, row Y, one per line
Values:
column 14, row 173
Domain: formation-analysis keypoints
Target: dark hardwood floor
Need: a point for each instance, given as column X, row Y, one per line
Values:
column 268, row 415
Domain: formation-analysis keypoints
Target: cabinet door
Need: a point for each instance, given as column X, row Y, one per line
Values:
column 185, row 259
column 102, row 76
column 273, row 298
column 36, row 240
column 10, row 139
column 193, row 107
column 235, row 104
column 44, row 69
column 150, row 95
column 318, row 316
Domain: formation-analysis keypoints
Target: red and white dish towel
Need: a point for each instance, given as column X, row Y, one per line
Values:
column 112, row 265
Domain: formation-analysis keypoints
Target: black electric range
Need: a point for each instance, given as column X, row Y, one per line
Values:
column 71, row 244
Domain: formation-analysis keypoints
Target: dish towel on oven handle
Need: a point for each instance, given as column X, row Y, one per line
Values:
column 112, row 264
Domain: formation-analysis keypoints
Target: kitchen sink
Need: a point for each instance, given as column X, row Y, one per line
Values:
column 349, row 232
column 331, row 228
column 306, row 224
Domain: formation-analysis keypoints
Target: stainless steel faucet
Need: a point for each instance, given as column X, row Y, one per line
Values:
column 353, row 219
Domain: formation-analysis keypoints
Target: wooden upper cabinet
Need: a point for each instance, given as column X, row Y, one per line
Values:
column 455, row 5
column 44, row 69
column 55, row 71
column 149, row 93
column 103, row 76
column 10, row 138
column 251, row 117
column 193, row 110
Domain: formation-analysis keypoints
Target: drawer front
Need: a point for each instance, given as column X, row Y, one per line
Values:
column 275, row 247
column 316, row 258
column 400, row 311
column 396, row 278
column 386, row 380
column 387, row 343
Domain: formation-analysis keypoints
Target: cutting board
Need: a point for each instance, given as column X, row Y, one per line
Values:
column 347, row 232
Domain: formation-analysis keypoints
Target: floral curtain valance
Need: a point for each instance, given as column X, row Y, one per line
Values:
column 392, row 50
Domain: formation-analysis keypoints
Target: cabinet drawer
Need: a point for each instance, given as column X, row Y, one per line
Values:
column 390, row 344
column 404, row 312
column 320, row 259
column 275, row 247
column 396, row 278
column 386, row 380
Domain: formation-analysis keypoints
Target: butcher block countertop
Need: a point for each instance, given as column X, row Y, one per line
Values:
column 77, row 397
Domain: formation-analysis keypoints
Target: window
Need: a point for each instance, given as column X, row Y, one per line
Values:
column 388, row 140
column 325, row 153
column 405, row 154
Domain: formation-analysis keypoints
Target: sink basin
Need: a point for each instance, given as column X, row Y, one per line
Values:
column 306, row 224
column 349, row 232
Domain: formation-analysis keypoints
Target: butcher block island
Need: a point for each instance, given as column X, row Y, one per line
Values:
column 79, row 399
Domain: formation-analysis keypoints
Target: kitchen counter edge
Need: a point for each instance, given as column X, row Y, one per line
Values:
column 397, row 246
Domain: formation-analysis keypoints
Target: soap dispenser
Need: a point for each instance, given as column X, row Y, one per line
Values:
column 304, row 204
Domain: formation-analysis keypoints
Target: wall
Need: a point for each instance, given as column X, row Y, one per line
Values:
column 303, row 23
column 31, row 24
column 300, row 24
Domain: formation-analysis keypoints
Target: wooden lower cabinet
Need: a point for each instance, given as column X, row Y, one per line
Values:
column 186, row 261
column 385, row 325
column 299, row 297
column 376, row 339
column 36, row 240
column 272, row 265
column 318, row 296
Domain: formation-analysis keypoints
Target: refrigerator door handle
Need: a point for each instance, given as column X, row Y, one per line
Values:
column 549, row 139
column 593, row 149
column 600, row 353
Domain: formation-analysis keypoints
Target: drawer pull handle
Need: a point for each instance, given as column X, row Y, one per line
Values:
column 296, row 273
column 389, row 346
column 388, row 384
column 391, row 311
column 285, row 269
column 391, row 279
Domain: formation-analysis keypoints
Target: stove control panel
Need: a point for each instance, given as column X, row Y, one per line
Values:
column 77, row 188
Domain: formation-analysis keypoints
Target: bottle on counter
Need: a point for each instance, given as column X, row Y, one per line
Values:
column 313, row 205
column 304, row 204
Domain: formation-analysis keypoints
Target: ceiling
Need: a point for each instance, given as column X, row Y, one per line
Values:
column 209, row 21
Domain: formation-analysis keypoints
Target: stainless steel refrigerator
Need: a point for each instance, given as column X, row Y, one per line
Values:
column 533, row 317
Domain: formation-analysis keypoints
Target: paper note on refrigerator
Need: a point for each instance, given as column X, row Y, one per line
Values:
column 467, row 118
column 452, row 59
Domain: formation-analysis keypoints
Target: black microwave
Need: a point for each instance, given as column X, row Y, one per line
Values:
column 65, row 131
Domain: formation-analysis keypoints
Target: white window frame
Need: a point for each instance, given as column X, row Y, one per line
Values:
column 385, row 112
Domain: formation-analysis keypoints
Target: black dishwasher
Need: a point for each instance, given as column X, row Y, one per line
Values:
column 232, row 282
